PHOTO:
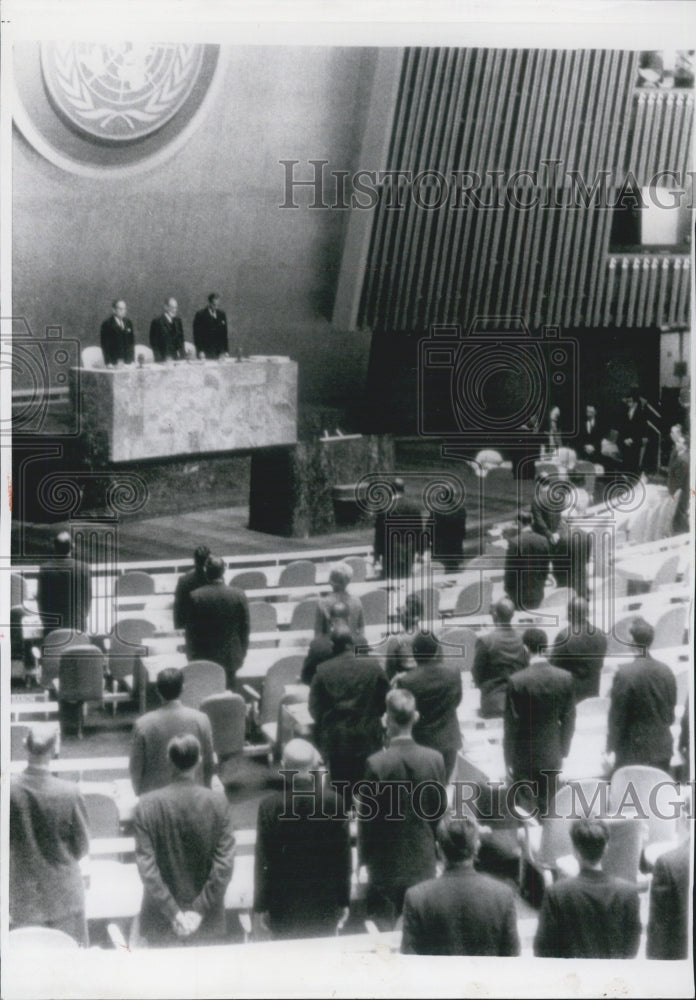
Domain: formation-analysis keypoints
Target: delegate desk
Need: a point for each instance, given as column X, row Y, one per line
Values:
column 188, row 407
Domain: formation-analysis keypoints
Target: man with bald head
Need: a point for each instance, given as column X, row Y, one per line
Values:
column 498, row 654
column 302, row 864
column 64, row 593
column 580, row 649
column 167, row 333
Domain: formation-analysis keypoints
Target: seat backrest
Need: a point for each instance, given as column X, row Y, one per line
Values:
column 300, row 573
column 102, row 814
column 227, row 714
column 667, row 571
column 92, row 357
column 121, row 657
column 667, row 509
column 304, row 615
column 638, row 791
column 145, row 352
column 39, row 938
column 81, row 674
column 488, row 457
column 557, row 598
column 474, row 598
column 201, row 679
column 262, row 617
column 620, row 640
column 375, row 608
column 134, row 584
column 592, row 714
column 285, row 671
column 572, row 801
column 670, row 627
column 638, row 526
column 458, row 646
column 359, row 567
column 18, row 734
column 62, row 638
column 249, row 579
column 627, row 838
column 17, row 592
column 652, row 524
column 133, row 630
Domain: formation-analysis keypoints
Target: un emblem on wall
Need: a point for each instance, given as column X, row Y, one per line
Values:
column 123, row 91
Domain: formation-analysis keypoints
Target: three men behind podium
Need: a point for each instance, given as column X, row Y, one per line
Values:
column 166, row 333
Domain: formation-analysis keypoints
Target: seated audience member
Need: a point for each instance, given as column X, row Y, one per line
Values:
column 48, row 836
column 498, row 654
column 64, row 589
column 187, row 583
column 346, row 701
column 643, row 698
column 184, row 849
column 302, row 866
column 593, row 915
column 396, row 840
column 399, row 654
column 321, row 646
column 668, row 924
column 463, row 912
column 436, row 684
column 150, row 767
column 580, row 649
column 340, row 576
column 539, row 720
column 526, row 566
column 217, row 626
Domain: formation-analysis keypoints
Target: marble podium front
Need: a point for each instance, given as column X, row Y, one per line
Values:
column 188, row 407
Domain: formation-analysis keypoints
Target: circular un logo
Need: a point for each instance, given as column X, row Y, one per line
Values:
column 123, row 91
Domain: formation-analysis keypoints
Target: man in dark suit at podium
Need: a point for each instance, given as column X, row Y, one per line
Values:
column 117, row 337
column 210, row 329
column 167, row 333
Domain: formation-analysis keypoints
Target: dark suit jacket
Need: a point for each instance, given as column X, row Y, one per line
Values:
column 582, row 654
column 185, row 586
column 356, row 619
column 449, row 533
column 498, row 654
column 210, row 333
column 546, row 520
column 526, row 569
column 167, row 339
column 539, row 719
column 437, row 689
column 462, row 913
column 589, row 436
column 643, row 696
column 149, row 764
column 117, row 344
column 48, row 836
column 302, row 866
column 65, row 590
column 320, row 650
column 591, row 916
column 400, row 524
column 570, row 557
column 347, row 701
column 218, row 627
column 184, row 844
column 633, row 429
column 397, row 844
column 668, row 925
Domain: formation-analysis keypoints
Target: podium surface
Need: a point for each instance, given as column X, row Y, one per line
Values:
column 188, row 407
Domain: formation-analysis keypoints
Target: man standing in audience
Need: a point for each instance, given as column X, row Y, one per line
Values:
column 189, row 582
column 217, row 628
column 643, row 698
column 399, row 805
column 526, row 566
column 64, row 593
column 321, row 647
column 302, row 865
column 546, row 513
column 463, row 912
column 633, row 432
column 593, row 915
column 346, row 701
column 398, row 534
column 167, row 333
column 184, row 848
column 498, row 654
column 117, row 337
column 48, row 836
column 580, row 649
column 399, row 653
column 449, row 535
column 539, row 720
column 150, row 767
column 339, row 578
column 436, row 684
column 668, row 925
column 589, row 442
column 210, row 329
column 572, row 551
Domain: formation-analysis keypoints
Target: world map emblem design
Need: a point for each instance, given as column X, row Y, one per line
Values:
column 123, row 91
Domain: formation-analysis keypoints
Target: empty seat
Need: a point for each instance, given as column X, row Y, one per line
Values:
column 81, row 679
column 648, row 794
column 18, row 734
column 557, row 598
column 284, row 671
column 666, row 572
column 458, row 646
column 92, row 357
column 134, row 584
column 227, row 714
column 102, row 814
column 375, row 608
column 134, row 630
column 17, row 590
column 474, row 599
column 143, row 353
column 262, row 617
column 249, row 579
column 35, row 939
column 300, row 573
column 670, row 627
column 359, row 567
column 304, row 615
column 201, row 679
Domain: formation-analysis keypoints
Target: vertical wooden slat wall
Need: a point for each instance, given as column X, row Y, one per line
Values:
column 486, row 113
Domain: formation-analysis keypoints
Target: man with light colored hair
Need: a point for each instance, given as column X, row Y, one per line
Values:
column 302, row 865
column 340, row 577
column 48, row 836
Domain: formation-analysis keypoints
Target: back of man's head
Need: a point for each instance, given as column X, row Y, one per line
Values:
column 62, row 543
column 642, row 632
column 426, row 648
column 341, row 638
column 503, row 611
column 184, row 751
column 458, row 838
column 401, row 708
column 200, row 556
column 536, row 640
column 590, row 838
column 41, row 740
column 214, row 568
column 170, row 682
